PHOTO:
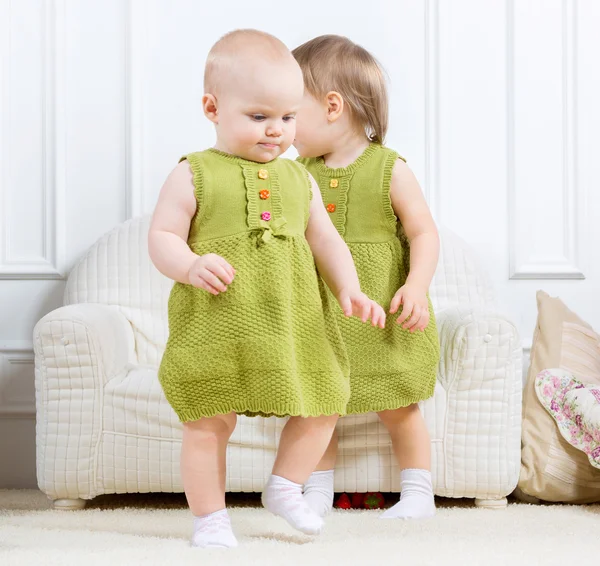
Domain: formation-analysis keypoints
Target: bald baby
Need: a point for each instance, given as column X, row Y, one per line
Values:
column 253, row 88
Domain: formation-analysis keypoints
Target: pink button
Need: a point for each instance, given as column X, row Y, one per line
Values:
column 266, row 216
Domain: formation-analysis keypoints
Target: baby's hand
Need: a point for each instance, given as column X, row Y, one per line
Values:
column 212, row 273
column 359, row 305
column 415, row 307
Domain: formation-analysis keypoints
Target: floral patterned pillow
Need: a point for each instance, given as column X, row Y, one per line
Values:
column 575, row 407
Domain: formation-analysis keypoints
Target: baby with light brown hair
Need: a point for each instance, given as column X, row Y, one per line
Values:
column 252, row 330
column 377, row 206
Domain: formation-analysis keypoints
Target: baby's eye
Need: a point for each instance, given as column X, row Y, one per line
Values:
column 289, row 118
column 258, row 117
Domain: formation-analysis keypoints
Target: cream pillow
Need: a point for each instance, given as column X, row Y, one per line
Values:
column 551, row 469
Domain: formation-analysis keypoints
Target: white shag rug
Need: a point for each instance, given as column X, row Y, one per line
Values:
column 132, row 530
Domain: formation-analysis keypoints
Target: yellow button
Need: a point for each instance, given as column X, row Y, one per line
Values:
column 334, row 183
column 263, row 174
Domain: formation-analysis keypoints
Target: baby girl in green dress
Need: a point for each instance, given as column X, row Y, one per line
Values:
column 253, row 330
column 373, row 198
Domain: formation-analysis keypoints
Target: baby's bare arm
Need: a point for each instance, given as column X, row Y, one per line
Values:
column 332, row 256
column 336, row 266
column 411, row 208
column 167, row 239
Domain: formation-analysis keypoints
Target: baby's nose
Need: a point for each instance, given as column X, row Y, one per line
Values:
column 274, row 130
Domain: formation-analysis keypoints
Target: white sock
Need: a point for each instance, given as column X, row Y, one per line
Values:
column 214, row 531
column 318, row 492
column 284, row 498
column 416, row 499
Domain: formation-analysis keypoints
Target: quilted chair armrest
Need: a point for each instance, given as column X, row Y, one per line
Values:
column 78, row 349
column 480, row 369
column 89, row 342
column 477, row 344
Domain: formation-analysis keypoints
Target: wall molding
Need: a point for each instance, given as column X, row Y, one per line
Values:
column 51, row 264
column 16, row 353
column 5, row 26
column 432, row 107
column 135, row 49
column 566, row 265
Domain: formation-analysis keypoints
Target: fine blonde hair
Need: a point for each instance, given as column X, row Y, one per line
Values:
column 334, row 63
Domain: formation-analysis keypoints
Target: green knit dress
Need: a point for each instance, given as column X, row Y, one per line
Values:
column 389, row 368
column 269, row 345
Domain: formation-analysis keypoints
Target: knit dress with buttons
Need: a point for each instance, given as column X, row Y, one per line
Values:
column 270, row 344
column 389, row 368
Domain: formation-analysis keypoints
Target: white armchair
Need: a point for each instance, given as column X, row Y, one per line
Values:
column 104, row 426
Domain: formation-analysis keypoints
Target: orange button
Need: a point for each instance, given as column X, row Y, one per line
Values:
column 263, row 174
column 334, row 183
column 331, row 208
column 264, row 194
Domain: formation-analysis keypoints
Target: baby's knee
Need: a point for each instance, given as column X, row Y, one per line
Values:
column 317, row 425
column 400, row 415
column 213, row 429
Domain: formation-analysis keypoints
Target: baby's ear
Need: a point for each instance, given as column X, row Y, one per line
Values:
column 209, row 105
column 335, row 105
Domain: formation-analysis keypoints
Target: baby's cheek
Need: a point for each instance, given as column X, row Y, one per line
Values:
column 249, row 134
column 300, row 138
column 289, row 133
column 307, row 130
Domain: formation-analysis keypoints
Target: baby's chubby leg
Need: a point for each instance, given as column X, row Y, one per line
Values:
column 318, row 489
column 203, row 458
column 410, row 440
column 302, row 444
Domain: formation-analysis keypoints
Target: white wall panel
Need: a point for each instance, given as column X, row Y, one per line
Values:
column 545, row 202
column 32, row 141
